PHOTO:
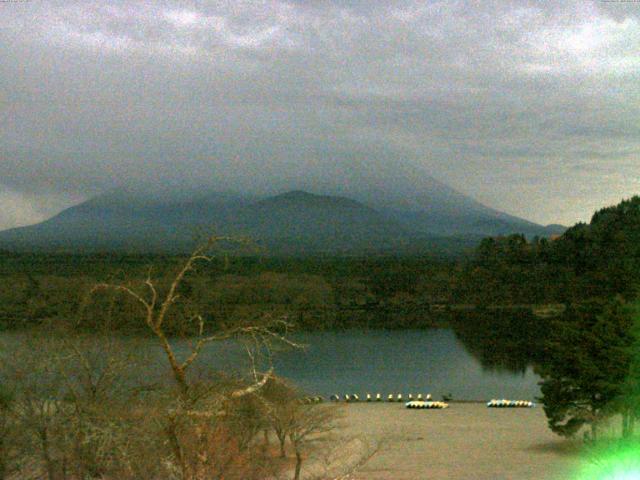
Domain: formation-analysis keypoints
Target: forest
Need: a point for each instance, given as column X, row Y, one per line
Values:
column 591, row 261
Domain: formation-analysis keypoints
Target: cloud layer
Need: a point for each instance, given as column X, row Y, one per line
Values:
column 531, row 107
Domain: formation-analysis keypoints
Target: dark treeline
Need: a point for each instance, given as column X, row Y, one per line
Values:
column 313, row 292
column 595, row 261
column 589, row 261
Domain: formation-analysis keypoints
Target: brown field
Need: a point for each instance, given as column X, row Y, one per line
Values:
column 465, row 441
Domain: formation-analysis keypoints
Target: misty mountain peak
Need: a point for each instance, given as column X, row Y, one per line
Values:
column 297, row 221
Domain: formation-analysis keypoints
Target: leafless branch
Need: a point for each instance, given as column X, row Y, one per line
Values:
column 254, row 387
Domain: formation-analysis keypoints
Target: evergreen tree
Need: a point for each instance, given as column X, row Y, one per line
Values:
column 629, row 404
column 587, row 365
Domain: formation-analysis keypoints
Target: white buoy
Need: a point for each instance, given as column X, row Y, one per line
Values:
column 368, row 397
column 334, row 398
column 378, row 397
column 399, row 397
column 355, row 397
column 390, row 397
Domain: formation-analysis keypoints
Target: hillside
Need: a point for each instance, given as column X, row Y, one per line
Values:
column 295, row 222
column 605, row 252
column 598, row 260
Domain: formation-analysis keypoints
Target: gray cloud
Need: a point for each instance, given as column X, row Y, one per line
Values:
column 515, row 103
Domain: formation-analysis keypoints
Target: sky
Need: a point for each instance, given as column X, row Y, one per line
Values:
column 530, row 107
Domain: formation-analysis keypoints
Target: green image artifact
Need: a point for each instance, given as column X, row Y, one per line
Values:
column 617, row 461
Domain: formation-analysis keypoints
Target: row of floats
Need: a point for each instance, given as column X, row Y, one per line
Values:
column 503, row 403
column 349, row 398
column 420, row 404
column 419, row 401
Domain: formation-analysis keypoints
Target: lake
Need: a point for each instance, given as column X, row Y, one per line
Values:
column 374, row 361
column 396, row 361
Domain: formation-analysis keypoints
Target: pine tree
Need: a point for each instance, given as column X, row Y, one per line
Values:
column 629, row 404
column 587, row 366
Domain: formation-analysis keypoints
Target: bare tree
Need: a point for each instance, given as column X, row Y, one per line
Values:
column 97, row 371
column 310, row 424
column 157, row 309
column 198, row 404
column 37, row 409
column 281, row 400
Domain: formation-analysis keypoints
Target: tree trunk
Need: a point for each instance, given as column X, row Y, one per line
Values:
column 626, row 424
column 283, row 453
column 594, row 432
column 171, row 431
column 64, row 469
column 298, row 465
column 4, row 455
column 3, row 467
column 46, row 455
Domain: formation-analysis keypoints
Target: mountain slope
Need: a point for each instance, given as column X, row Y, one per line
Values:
column 293, row 222
column 406, row 192
column 317, row 219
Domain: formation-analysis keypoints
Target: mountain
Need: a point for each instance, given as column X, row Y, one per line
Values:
column 294, row 222
column 406, row 192
column 318, row 221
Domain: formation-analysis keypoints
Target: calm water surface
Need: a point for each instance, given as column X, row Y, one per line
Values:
column 376, row 361
column 415, row 361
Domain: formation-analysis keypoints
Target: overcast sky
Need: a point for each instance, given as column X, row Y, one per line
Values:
column 532, row 108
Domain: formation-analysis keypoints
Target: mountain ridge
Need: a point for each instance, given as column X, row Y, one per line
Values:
column 295, row 221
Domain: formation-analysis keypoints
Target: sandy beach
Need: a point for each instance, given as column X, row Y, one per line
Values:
column 465, row 441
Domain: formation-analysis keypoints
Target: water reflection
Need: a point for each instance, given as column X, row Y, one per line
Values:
column 417, row 361
column 502, row 340
column 482, row 356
